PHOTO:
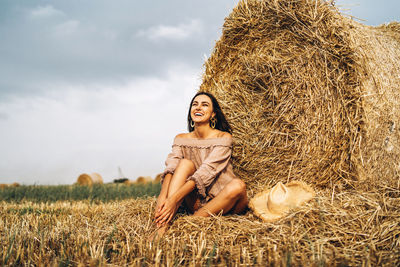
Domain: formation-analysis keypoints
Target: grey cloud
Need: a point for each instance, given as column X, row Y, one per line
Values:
column 171, row 32
column 45, row 11
column 97, row 41
column 3, row 116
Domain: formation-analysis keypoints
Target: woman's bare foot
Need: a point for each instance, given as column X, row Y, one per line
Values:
column 159, row 233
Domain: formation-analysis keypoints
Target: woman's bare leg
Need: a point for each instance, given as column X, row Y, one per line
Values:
column 184, row 169
column 232, row 197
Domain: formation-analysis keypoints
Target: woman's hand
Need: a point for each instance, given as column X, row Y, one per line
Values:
column 167, row 211
column 160, row 202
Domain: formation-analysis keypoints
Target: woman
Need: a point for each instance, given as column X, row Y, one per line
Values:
column 199, row 170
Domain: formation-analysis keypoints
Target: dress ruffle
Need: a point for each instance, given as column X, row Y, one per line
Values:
column 199, row 184
column 166, row 171
column 203, row 143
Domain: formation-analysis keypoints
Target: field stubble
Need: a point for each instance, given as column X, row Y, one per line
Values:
column 348, row 228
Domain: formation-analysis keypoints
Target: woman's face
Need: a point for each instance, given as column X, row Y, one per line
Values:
column 202, row 109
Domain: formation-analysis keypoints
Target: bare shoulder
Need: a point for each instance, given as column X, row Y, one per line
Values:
column 183, row 135
column 224, row 134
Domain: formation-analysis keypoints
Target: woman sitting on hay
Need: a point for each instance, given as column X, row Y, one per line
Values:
column 199, row 170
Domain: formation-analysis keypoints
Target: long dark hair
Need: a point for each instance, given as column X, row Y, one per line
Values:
column 221, row 124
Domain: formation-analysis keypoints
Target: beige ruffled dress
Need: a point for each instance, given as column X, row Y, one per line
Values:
column 212, row 159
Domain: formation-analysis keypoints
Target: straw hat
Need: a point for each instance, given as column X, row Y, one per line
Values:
column 272, row 204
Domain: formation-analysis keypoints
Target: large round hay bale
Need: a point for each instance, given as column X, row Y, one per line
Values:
column 89, row 179
column 310, row 94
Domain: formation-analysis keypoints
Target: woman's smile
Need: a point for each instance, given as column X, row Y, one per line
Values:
column 201, row 110
column 197, row 115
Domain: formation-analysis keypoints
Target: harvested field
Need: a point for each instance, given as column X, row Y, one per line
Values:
column 311, row 96
column 348, row 228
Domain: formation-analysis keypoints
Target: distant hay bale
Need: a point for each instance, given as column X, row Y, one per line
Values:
column 2, row 186
column 9, row 185
column 89, row 179
column 84, row 179
column 143, row 180
column 310, row 94
column 157, row 179
column 97, row 179
column 128, row 182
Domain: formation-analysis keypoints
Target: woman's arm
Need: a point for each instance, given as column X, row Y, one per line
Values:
column 165, row 185
column 172, row 203
column 163, row 193
column 179, row 195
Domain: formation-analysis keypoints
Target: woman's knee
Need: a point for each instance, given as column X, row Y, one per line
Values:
column 235, row 188
column 187, row 164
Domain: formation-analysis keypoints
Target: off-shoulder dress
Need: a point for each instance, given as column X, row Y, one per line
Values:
column 212, row 159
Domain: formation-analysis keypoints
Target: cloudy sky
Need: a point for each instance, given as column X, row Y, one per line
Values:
column 90, row 86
